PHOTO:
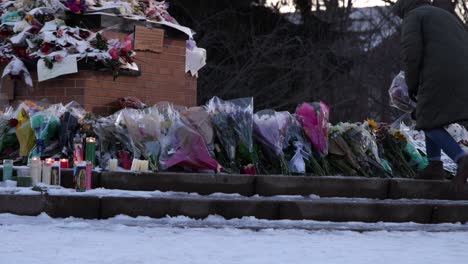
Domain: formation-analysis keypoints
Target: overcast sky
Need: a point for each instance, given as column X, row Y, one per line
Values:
column 357, row 3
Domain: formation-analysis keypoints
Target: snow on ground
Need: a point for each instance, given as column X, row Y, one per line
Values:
column 38, row 240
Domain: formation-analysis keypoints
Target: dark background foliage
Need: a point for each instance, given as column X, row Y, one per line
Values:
column 322, row 52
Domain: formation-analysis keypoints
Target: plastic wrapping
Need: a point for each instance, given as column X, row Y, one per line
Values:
column 143, row 128
column 24, row 133
column 270, row 128
column 200, row 120
column 365, row 149
column 181, row 144
column 314, row 119
column 8, row 140
column 297, row 164
column 69, row 127
column 399, row 95
column 233, row 123
column 45, row 125
column 114, row 140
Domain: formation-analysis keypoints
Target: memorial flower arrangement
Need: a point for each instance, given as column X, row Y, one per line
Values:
column 233, row 124
column 223, row 136
column 37, row 32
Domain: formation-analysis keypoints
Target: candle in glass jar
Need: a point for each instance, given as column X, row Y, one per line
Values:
column 64, row 163
column 35, row 170
column 144, row 165
column 80, row 177
column 91, row 150
column 89, row 171
column 77, row 150
column 7, row 170
column 135, row 165
column 113, row 164
column 55, row 174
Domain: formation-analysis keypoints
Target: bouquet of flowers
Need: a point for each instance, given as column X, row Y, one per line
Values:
column 233, row 123
column 200, row 120
column 394, row 143
column 298, row 150
column 314, row 120
column 365, row 150
column 182, row 145
column 8, row 141
column 113, row 140
column 45, row 125
column 69, row 127
column 24, row 132
column 143, row 128
column 270, row 129
column 341, row 157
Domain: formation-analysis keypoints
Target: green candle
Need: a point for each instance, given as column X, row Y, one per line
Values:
column 91, row 149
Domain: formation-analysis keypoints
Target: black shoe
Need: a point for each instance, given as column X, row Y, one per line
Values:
column 434, row 171
column 462, row 173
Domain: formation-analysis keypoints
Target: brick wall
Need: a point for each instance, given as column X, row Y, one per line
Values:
column 163, row 78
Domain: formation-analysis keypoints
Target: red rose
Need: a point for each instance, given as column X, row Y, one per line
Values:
column 13, row 122
column 46, row 48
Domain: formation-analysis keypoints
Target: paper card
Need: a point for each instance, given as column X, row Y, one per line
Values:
column 66, row 66
column 49, row 26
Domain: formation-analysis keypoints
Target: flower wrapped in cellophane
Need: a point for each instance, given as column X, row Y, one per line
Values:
column 233, row 123
column 45, row 125
column 143, row 128
column 365, row 150
column 397, row 150
column 69, row 127
column 200, row 120
column 181, row 145
column 298, row 150
column 8, row 141
column 270, row 129
column 314, row 120
column 113, row 141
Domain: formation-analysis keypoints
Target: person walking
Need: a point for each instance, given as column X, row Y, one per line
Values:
column 435, row 60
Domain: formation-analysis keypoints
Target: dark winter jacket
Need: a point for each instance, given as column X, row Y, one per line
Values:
column 435, row 60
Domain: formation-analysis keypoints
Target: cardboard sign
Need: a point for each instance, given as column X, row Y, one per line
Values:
column 149, row 39
column 66, row 66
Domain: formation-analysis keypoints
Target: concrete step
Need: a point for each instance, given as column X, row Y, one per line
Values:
column 89, row 206
column 248, row 185
column 272, row 185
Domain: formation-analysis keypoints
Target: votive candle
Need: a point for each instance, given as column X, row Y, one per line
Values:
column 89, row 171
column 55, row 174
column 7, row 170
column 46, row 169
column 113, row 164
column 64, row 163
column 35, row 170
column 144, row 165
column 91, row 150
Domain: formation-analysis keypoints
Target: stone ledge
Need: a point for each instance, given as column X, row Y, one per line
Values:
column 345, row 211
column 180, row 182
column 322, row 186
column 62, row 206
column 30, row 205
column 419, row 189
column 325, row 209
column 194, row 208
